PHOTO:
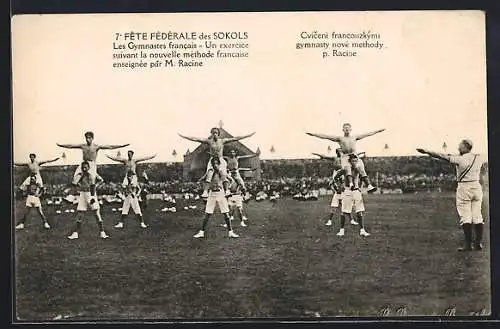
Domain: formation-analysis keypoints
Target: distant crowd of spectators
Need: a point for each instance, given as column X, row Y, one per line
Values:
column 287, row 177
column 285, row 186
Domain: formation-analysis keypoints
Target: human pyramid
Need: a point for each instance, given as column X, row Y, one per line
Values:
column 222, row 180
column 347, row 178
column 224, row 186
column 219, row 176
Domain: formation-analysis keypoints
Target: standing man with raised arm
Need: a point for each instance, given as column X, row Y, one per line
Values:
column 89, row 150
column 130, row 166
column 469, row 191
column 34, row 167
column 216, row 144
column 348, row 146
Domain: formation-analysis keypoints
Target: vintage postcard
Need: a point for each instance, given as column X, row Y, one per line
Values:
column 264, row 165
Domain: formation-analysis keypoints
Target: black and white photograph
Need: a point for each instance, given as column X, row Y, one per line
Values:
column 259, row 165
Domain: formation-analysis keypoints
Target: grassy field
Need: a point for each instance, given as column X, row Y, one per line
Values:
column 286, row 263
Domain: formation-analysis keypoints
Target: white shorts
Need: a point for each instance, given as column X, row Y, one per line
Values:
column 39, row 180
column 336, row 200
column 352, row 199
column 346, row 165
column 216, row 198
column 125, row 181
column 84, row 202
column 236, row 201
column 469, row 199
column 33, row 202
column 131, row 202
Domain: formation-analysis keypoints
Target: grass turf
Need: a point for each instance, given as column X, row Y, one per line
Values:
column 286, row 263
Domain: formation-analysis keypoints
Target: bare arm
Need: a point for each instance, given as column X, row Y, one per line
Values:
column 98, row 181
column 41, row 190
column 19, row 164
column 93, row 188
column 24, row 186
column 436, row 155
column 339, row 174
column 48, row 161
column 117, row 159
column 137, row 192
column 358, row 137
column 195, row 139
column 336, row 182
column 70, row 146
column 202, row 178
column 237, row 138
column 326, row 157
column 145, row 158
column 112, row 147
column 248, row 156
column 323, row 136
column 246, row 169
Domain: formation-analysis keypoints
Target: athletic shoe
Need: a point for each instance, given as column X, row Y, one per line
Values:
column 200, row 234
column 103, row 235
column 119, row 225
column 223, row 225
column 231, row 218
column 231, row 234
column 143, row 225
column 371, row 188
column 478, row 246
column 341, row 232
column 20, row 226
column 243, row 224
column 73, row 236
column 329, row 223
column 353, row 222
column 244, row 218
column 46, row 225
column 362, row 232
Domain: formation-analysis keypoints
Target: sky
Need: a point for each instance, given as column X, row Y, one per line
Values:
column 426, row 86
